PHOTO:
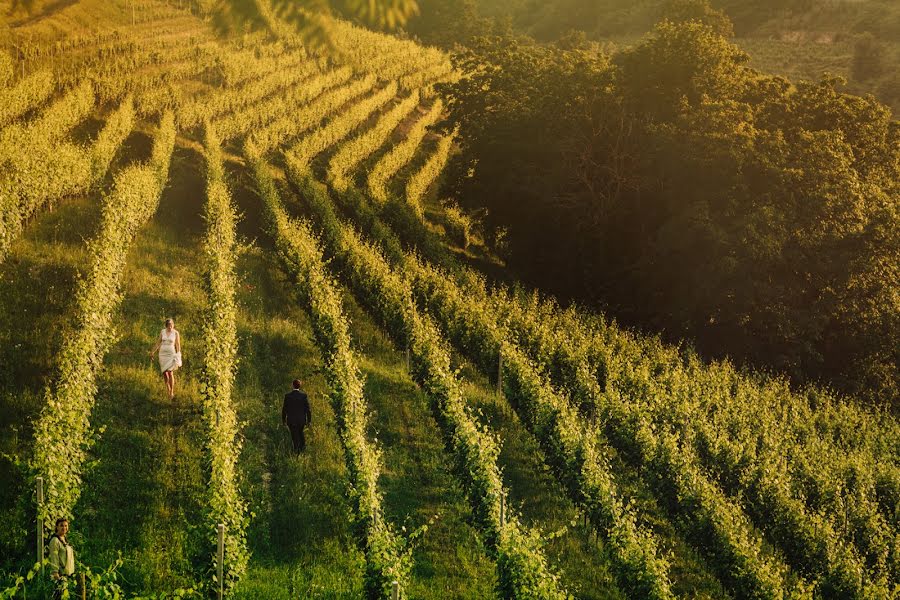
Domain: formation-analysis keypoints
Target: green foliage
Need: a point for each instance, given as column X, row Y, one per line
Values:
column 276, row 107
column 459, row 225
column 285, row 75
column 678, row 65
column 292, row 124
column 340, row 126
column 421, row 180
column 692, row 194
column 6, row 69
column 62, row 433
column 387, row 14
column 401, row 153
column 641, row 569
column 448, row 22
column 387, row 554
column 679, row 11
column 45, row 171
column 719, row 413
column 356, row 150
column 25, row 95
column 224, row 503
column 523, row 570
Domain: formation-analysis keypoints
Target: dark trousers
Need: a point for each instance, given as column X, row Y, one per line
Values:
column 298, row 438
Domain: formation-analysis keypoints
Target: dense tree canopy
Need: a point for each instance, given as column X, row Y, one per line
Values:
column 689, row 193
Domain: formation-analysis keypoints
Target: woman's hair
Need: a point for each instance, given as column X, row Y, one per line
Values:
column 60, row 521
column 170, row 320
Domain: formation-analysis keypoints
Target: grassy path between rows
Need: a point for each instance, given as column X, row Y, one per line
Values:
column 143, row 496
column 300, row 539
column 37, row 281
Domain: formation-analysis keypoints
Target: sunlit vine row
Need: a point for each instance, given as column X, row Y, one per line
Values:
column 271, row 136
column 278, row 106
column 523, row 570
column 808, row 540
column 338, row 127
column 744, row 563
column 388, row 558
column 218, row 337
column 53, row 123
column 25, row 95
column 398, row 156
column 717, row 524
column 44, row 173
column 722, row 411
column 62, row 433
column 419, row 182
column 213, row 105
column 388, row 57
column 354, row 151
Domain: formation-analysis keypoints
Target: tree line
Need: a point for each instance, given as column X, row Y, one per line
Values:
column 687, row 193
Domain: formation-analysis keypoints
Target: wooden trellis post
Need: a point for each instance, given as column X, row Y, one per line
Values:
column 500, row 374
column 220, row 567
column 39, row 481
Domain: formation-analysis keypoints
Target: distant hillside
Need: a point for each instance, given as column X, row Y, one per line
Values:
column 856, row 39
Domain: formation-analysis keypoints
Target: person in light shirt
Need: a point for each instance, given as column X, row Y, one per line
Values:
column 62, row 557
column 169, row 346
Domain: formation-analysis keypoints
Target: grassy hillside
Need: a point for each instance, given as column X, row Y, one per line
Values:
column 592, row 463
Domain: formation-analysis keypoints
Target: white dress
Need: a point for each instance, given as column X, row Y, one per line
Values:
column 169, row 360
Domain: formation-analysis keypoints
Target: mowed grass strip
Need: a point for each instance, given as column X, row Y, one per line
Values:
column 37, row 282
column 143, row 497
column 300, row 540
column 449, row 560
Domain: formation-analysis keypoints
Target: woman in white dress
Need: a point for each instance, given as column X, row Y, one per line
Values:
column 169, row 346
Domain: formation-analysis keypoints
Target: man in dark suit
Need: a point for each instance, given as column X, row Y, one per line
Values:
column 295, row 413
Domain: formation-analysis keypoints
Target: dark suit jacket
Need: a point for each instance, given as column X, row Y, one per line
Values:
column 296, row 408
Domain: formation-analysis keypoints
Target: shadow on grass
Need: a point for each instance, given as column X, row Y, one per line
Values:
column 300, row 535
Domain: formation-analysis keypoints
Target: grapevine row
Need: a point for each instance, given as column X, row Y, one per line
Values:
column 809, row 542
column 711, row 403
column 388, row 57
column 240, row 123
column 523, row 569
column 387, row 557
column 25, row 95
column 419, row 182
column 715, row 523
column 226, row 101
column 6, row 70
column 340, row 126
column 62, row 432
column 739, row 555
column 48, row 172
column 218, row 337
column 287, row 127
column 53, row 123
column 401, row 154
column 353, row 152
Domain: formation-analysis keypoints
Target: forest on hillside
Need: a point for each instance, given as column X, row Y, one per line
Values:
column 679, row 188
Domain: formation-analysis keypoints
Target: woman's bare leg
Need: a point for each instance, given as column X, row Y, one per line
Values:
column 168, row 377
column 171, row 384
